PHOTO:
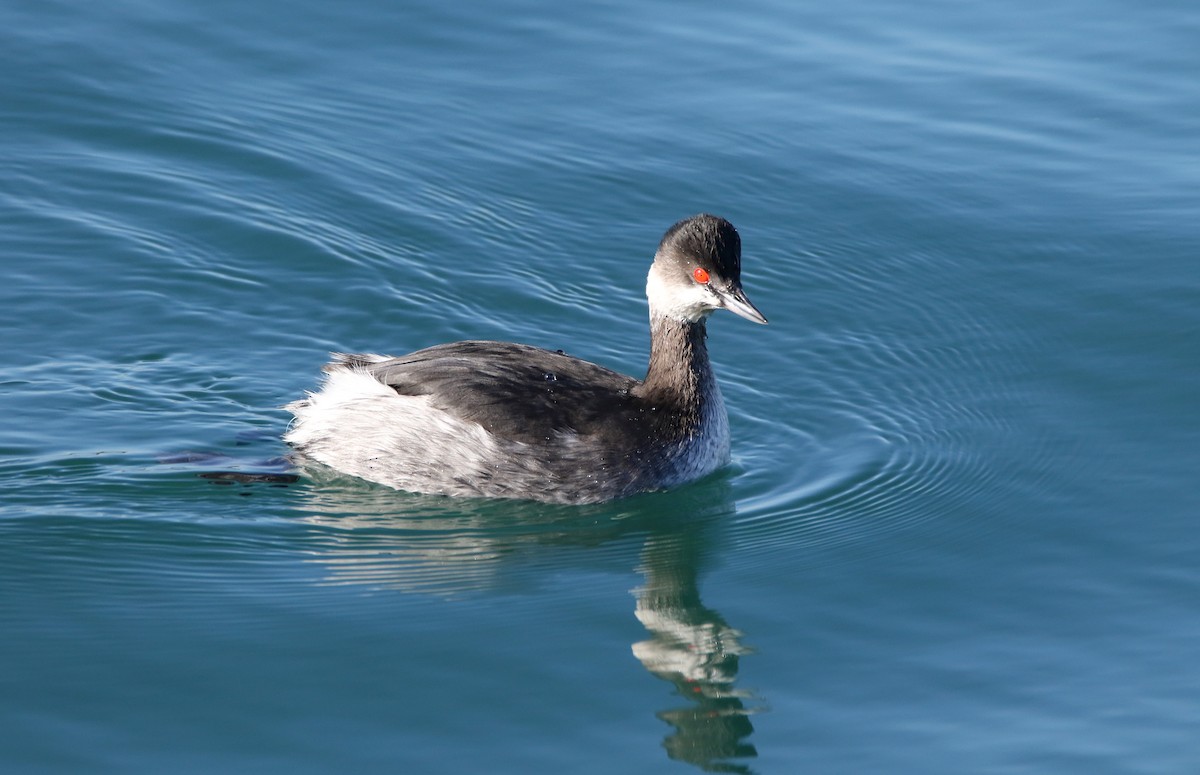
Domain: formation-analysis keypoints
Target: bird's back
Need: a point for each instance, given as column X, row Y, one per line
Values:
column 515, row 391
column 493, row 419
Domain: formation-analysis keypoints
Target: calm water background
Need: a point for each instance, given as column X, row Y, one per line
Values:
column 959, row 534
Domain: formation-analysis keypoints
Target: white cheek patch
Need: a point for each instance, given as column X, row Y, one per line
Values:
column 681, row 301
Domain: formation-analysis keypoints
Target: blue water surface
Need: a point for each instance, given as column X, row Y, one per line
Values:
column 959, row 532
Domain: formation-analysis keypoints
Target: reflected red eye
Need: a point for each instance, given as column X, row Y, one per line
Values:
column 701, row 275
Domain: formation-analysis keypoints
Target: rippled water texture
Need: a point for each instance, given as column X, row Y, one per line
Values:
column 959, row 531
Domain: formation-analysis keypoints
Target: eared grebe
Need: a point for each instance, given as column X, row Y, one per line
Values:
column 503, row 420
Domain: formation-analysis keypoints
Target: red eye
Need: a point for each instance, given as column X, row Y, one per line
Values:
column 700, row 275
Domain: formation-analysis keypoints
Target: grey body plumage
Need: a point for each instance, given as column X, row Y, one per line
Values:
column 496, row 419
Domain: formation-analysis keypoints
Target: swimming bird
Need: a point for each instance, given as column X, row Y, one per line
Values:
column 504, row 420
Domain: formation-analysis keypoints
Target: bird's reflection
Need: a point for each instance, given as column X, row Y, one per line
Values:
column 448, row 546
column 692, row 647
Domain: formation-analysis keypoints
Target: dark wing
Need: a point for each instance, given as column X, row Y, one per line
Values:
column 514, row 391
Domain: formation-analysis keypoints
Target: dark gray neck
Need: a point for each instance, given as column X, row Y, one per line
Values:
column 679, row 372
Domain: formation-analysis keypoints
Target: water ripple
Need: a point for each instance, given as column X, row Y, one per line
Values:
column 886, row 429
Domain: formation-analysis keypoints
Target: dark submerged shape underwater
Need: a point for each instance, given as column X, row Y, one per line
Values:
column 494, row 419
